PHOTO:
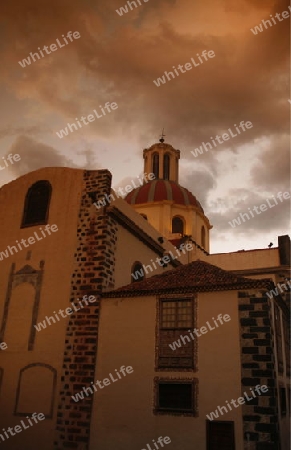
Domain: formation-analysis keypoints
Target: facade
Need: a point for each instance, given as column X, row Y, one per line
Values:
column 235, row 352
column 42, row 274
column 82, row 292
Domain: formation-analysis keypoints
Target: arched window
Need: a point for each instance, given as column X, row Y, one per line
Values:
column 177, row 225
column 137, row 272
column 203, row 236
column 156, row 162
column 36, row 205
column 166, row 167
column 144, row 216
column 36, row 390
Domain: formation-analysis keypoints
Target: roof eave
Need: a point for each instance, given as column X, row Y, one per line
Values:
column 262, row 284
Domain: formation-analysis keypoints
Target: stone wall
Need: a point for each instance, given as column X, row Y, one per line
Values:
column 260, row 415
column 93, row 270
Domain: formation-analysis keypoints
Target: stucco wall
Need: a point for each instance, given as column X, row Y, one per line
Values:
column 253, row 259
column 160, row 216
column 57, row 252
column 129, row 250
column 123, row 411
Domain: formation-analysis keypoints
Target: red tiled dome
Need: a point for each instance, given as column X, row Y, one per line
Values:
column 159, row 190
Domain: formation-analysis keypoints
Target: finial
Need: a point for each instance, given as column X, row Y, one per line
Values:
column 162, row 137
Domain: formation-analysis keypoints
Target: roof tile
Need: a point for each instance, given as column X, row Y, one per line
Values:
column 197, row 276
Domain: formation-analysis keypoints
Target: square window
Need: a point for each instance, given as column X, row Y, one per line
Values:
column 220, row 435
column 175, row 396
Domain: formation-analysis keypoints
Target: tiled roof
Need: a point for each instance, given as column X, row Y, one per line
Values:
column 159, row 190
column 176, row 242
column 197, row 276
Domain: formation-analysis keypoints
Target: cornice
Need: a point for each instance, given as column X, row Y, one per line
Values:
column 131, row 226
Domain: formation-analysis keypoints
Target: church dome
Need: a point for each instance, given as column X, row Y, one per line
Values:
column 159, row 190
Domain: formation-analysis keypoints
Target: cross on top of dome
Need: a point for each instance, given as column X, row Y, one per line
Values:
column 162, row 137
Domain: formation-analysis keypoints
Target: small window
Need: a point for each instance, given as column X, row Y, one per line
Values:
column 177, row 225
column 220, row 435
column 283, row 404
column 166, row 167
column 156, row 162
column 175, row 396
column 203, row 236
column 144, row 216
column 137, row 272
column 36, row 207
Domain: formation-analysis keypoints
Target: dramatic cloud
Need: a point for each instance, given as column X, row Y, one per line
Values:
column 273, row 169
column 276, row 214
column 35, row 155
column 117, row 58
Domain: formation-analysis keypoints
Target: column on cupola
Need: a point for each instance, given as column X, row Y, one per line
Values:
column 163, row 160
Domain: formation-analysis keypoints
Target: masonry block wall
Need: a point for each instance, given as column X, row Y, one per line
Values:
column 260, row 415
column 94, row 263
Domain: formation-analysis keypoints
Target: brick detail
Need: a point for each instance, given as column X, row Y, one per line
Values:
column 93, row 270
column 260, row 416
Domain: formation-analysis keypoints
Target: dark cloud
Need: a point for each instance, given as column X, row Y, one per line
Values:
column 235, row 200
column 33, row 130
column 245, row 81
column 200, row 183
column 273, row 169
column 35, row 155
column 274, row 217
column 117, row 58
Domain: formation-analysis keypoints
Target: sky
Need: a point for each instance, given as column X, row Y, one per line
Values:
column 116, row 59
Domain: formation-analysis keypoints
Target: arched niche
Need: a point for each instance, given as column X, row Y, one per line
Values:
column 137, row 272
column 36, row 390
column 22, row 294
column 19, row 318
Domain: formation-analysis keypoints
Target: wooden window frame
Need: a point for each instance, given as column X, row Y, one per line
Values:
column 193, row 344
column 193, row 412
column 208, row 429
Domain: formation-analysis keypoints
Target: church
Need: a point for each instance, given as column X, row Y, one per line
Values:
column 119, row 328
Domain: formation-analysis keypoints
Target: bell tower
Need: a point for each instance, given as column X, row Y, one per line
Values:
column 162, row 160
column 169, row 207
